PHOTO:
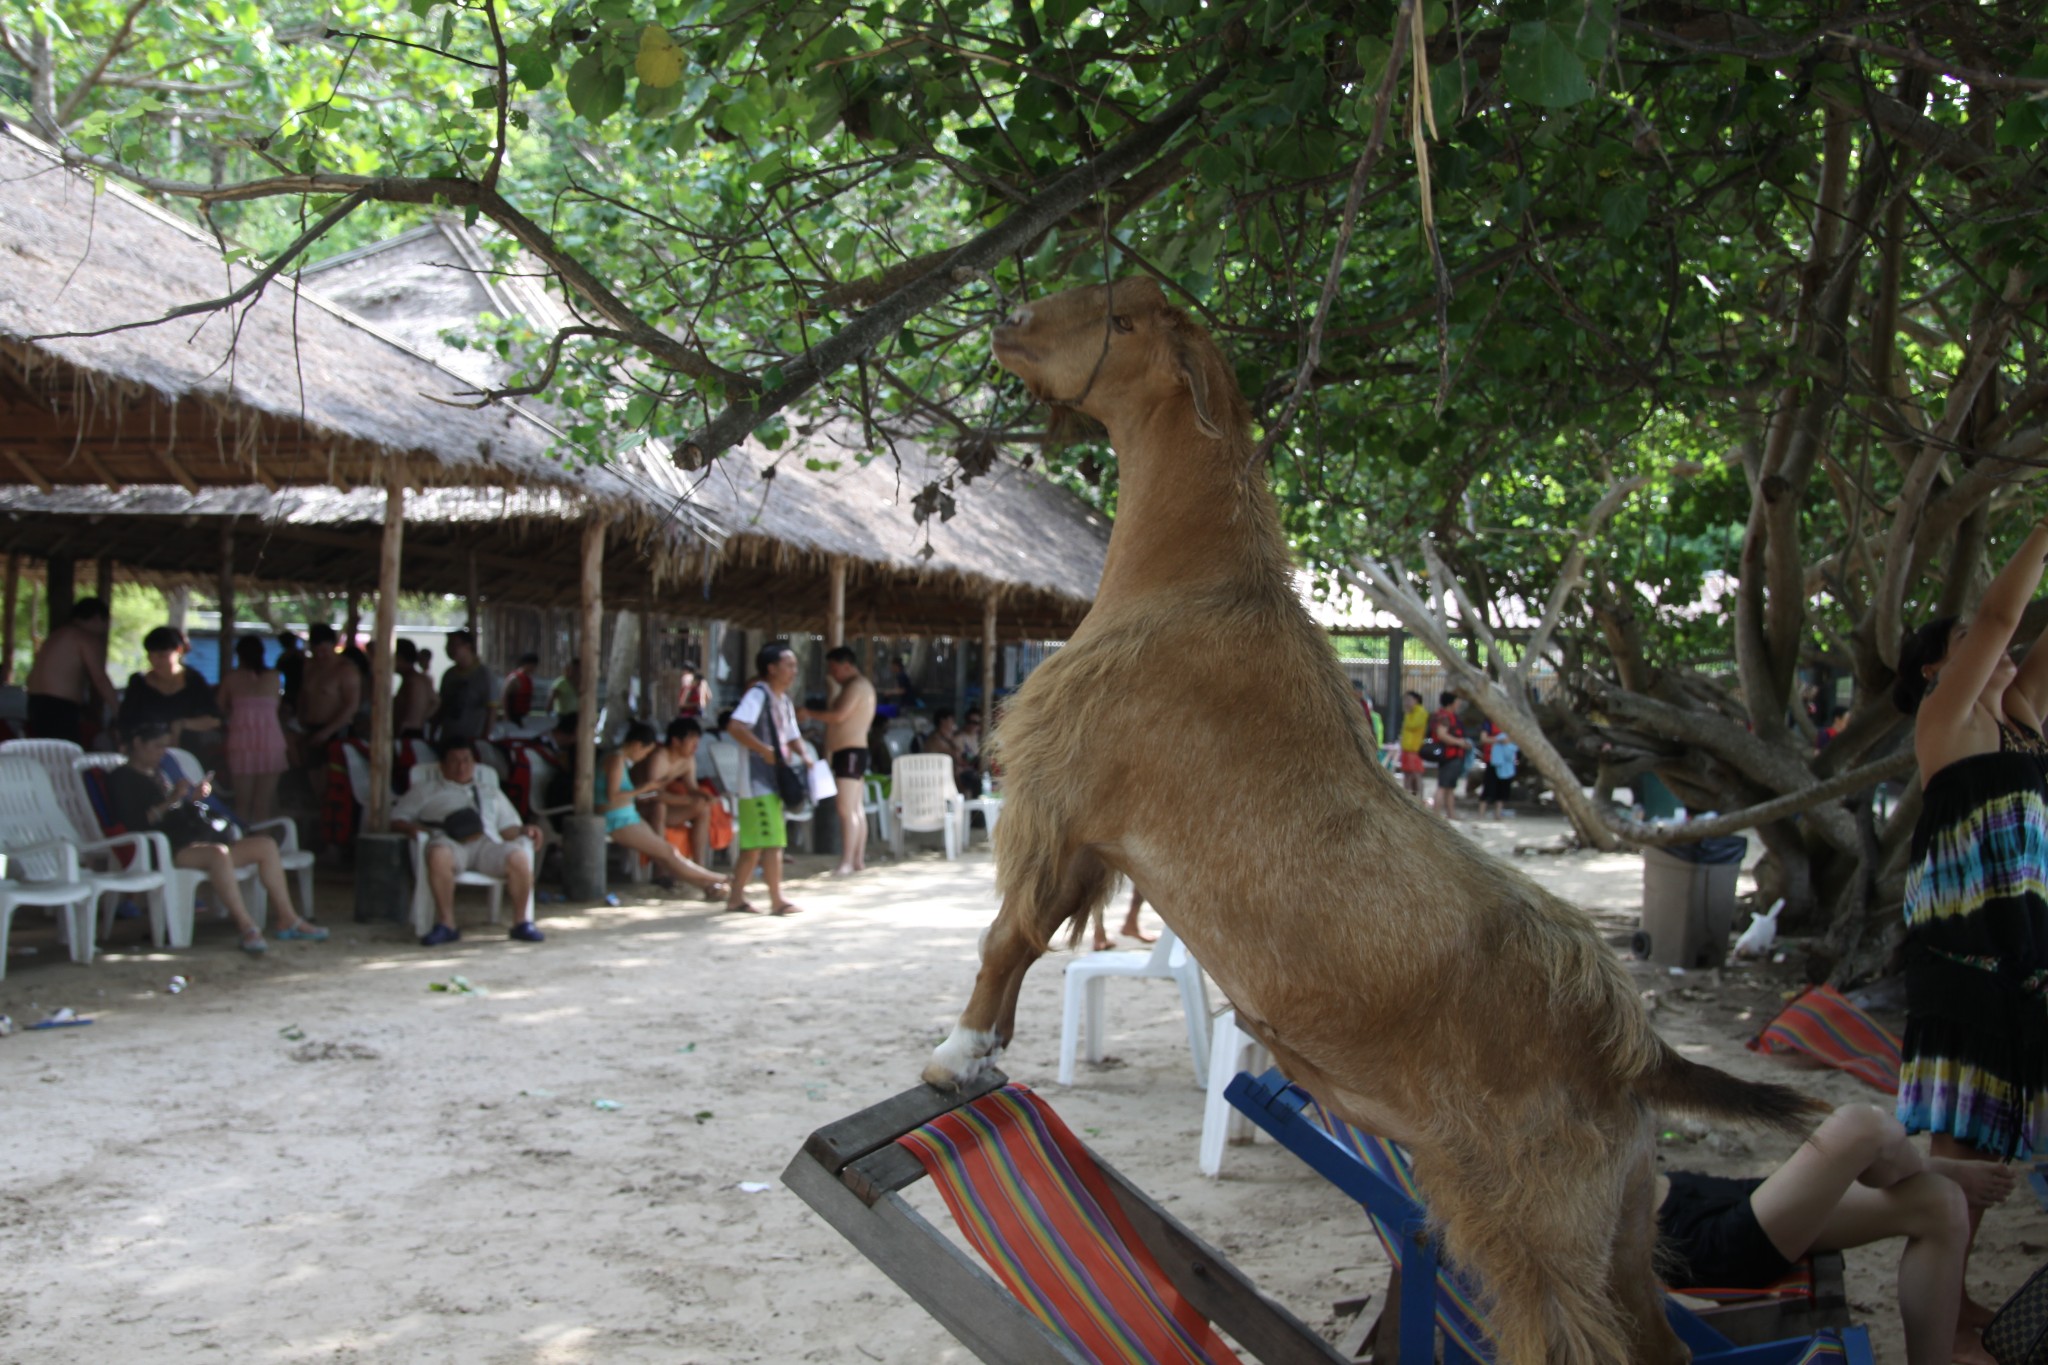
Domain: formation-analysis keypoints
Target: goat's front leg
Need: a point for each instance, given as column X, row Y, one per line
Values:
column 1018, row 938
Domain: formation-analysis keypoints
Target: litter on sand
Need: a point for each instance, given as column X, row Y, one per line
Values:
column 292, row 1033
column 63, row 1018
column 754, row 1187
column 6, row 1025
column 177, row 984
column 457, row 985
column 606, row 1105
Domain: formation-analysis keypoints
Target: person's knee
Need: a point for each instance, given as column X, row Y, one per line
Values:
column 1936, row 1208
column 440, row 858
column 1859, row 1129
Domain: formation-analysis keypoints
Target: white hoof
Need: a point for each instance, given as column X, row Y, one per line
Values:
column 965, row 1057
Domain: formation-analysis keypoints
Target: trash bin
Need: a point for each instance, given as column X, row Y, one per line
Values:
column 1689, row 902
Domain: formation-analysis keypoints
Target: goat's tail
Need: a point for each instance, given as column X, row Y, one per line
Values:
column 1683, row 1086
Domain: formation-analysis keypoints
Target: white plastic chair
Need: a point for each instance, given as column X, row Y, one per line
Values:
column 68, row 894
column 923, row 799
column 423, row 895
column 875, row 806
column 991, row 808
column 1231, row 1050
column 58, row 759
column 174, row 928
column 286, row 834
column 1167, row 960
column 50, row 848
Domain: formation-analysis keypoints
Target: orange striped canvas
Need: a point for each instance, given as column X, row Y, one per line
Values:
column 1822, row 1024
column 1029, row 1198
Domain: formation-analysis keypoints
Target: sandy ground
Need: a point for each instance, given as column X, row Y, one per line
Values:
column 316, row 1157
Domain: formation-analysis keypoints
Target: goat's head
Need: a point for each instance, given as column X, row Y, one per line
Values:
column 1107, row 350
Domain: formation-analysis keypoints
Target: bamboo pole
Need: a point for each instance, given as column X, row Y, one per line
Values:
column 382, row 650
column 473, row 606
column 58, row 573
column 105, row 585
column 586, row 685
column 835, row 618
column 225, row 590
column 988, row 670
column 647, row 704
column 7, row 634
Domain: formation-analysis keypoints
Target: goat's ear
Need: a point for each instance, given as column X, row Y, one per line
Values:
column 1196, row 376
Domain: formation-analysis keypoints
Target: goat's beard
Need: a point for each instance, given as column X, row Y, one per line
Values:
column 1065, row 426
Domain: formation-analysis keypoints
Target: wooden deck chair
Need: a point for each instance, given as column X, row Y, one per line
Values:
column 1429, row 1301
column 1085, row 1267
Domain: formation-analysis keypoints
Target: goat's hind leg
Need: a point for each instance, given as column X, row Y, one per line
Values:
column 1025, row 925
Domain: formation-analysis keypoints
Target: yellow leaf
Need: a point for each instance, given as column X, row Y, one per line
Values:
column 660, row 63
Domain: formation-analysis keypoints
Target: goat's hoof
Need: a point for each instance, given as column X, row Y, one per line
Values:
column 965, row 1057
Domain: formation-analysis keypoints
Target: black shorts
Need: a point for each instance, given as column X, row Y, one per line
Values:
column 55, row 718
column 1449, row 770
column 851, row 764
column 1708, row 1236
column 1497, row 788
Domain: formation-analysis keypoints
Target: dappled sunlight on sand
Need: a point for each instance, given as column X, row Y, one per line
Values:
column 317, row 1158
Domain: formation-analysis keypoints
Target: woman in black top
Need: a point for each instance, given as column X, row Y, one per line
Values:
column 171, row 695
column 143, row 800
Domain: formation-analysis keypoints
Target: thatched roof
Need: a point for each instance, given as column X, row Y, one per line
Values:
column 288, row 390
column 1017, row 536
column 526, row 546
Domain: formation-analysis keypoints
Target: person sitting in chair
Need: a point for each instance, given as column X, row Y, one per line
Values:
column 474, row 829
column 1856, row 1180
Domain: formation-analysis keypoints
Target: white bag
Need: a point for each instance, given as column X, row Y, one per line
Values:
column 823, row 788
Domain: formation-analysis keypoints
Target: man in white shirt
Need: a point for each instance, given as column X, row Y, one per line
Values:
column 474, row 829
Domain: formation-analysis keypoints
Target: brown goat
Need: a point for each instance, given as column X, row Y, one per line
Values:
column 1418, row 987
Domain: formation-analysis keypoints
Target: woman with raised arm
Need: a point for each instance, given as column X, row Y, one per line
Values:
column 1976, row 1047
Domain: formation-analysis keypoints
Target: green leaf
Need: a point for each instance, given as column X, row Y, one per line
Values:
column 1541, row 68
column 484, row 97
column 773, row 433
column 534, row 63
column 595, row 90
column 640, row 408
column 1624, row 209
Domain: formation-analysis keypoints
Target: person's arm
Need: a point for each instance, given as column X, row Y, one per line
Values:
column 406, row 811
column 96, row 671
column 614, row 767
column 1944, row 717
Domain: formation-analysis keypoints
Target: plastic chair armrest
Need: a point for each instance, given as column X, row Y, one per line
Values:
column 139, row 842
column 63, row 846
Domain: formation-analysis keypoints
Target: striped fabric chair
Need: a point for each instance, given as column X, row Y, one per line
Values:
column 1075, row 1264
column 1823, row 1025
column 1430, row 1302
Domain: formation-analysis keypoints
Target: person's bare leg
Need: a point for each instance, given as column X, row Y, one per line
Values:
column 441, row 882
column 742, row 873
column 699, row 815
column 1131, row 927
column 1942, row 1147
column 213, row 860
column 641, row 838
column 771, row 866
column 1102, row 943
column 1858, row 1179
column 853, row 824
column 519, row 883
column 261, row 850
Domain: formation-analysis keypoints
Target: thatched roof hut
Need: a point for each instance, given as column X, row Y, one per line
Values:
column 287, row 390
column 1018, row 538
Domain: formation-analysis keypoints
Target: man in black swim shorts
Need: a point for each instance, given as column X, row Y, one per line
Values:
column 1857, row 1179
column 846, row 745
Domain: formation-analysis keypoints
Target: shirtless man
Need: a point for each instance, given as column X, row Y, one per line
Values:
column 846, row 741
column 328, row 698
column 416, row 700
column 679, row 801
column 72, row 661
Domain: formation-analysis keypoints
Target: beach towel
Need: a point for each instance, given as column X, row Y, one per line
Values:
column 1822, row 1024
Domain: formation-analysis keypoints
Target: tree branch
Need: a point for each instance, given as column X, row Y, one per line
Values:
column 1574, row 570
column 92, row 78
column 1059, row 199
column 1764, row 812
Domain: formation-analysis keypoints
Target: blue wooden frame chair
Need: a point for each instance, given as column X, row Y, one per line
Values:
column 1432, row 1305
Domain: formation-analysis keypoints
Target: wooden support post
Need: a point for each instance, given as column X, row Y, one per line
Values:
column 383, row 647
column 591, row 649
column 58, row 573
column 7, row 633
column 988, row 670
column 648, row 707
column 835, row 618
column 474, row 605
column 225, row 590
column 105, row 586
column 352, row 623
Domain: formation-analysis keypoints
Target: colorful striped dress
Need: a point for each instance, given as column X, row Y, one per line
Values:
column 1976, row 1046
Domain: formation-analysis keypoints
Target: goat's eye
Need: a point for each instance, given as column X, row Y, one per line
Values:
column 1121, row 323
